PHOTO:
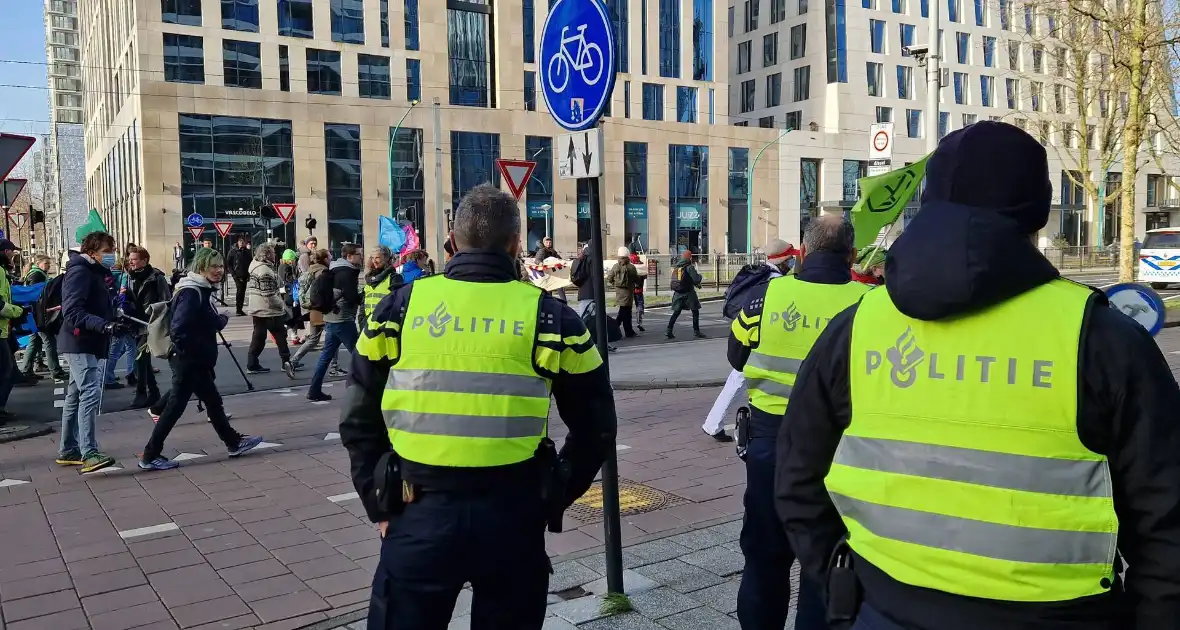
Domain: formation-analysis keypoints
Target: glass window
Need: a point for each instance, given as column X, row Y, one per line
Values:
column 1005, row 14
column 851, row 173
column 1059, row 98
column 1030, row 20
column 884, row 114
column 323, row 71
column 413, row 80
column 342, row 155
column 752, row 14
column 688, row 192
column 873, row 71
column 670, row 38
column 809, row 170
column 963, row 48
column 643, row 30
column 635, row 196
column 769, row 49
column 747, row 96
column 1014, row 55
column 384, row 7
column 530, row 91
column 686, row 104
column 184, row 58
column 470, row 71
column 242, row 62
column 960, row 79
column 802, row 83
column 295, row 19
column 539, row 190
column 187, row 12
column 412, row 25
column 969, row 119
column 953, row 10
column 989, row 51
column 348, row 21
column 473, row 162
column 802, row 6
column 778, row 11
column 905, row 82
column 702, row 39
column 627, row 98
column 793, row 120
column 744, row 57
column 774, row 89
column 899, row 6
column 798, row 41
column 907, row 37
column 980, row 13
column 240, row 15
column 985, row 90
column 1012, row 91
column 739, row 195
column 653, row 101
column 944, row 123
column 925, row 8
column 837, row 41
column 373, row 76
column 913, row 119
column 284, row 70
column 1038, row 58
column 1036, row 94
column 530, row 43
column 408, row 182
column 712, row 111
column 877, row 36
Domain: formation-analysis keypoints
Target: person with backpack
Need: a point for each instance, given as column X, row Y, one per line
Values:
column 623, row 278
column 338, row 297
column 779, row 259
column 43, row 341
column 288, row 279
column 580, row 277
column 319, row 264
column 685, row 280
column 193, row 327
column 265, row 305
column 146, row 286
column 88, row 322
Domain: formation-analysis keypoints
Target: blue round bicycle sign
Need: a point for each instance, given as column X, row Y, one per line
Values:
column 1140, row 304
column 194, row 220
column 577, row 62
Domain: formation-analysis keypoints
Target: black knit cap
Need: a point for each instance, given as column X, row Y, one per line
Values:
column 995, row 166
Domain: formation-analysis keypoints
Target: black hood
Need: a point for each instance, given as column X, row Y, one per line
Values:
column 970, row 245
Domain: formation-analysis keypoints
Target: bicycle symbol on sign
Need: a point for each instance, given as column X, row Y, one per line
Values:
column 589, row 59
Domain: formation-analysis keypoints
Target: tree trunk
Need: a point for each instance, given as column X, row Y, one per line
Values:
column 1132, row 138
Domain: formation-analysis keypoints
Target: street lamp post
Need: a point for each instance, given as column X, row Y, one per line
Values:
column 750, row 192
column 392, row 137
column 546, row 208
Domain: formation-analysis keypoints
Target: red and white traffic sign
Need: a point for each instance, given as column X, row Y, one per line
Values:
column 223, row 227
column 881, row 141
column 285, row 211
column 18, row 219
column 196, row 232
column 517, row 173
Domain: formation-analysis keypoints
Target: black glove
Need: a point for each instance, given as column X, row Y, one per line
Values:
column 115, row 329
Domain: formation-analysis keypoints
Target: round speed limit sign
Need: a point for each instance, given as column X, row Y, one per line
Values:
column 881, row 141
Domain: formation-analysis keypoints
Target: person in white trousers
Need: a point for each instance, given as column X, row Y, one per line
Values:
column 780, row 256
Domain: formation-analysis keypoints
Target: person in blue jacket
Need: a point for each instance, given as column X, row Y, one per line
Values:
column 414, row 266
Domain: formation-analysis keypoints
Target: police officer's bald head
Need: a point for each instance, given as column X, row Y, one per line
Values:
column 488, row 218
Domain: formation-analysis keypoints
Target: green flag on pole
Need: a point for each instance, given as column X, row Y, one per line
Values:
column 93, row 224
column 882, row 199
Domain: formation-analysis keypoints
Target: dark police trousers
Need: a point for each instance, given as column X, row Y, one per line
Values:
column 494, row 539
column 869, row 619
column 765, row 592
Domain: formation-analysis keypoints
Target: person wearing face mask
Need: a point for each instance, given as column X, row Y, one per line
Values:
column 89, row 320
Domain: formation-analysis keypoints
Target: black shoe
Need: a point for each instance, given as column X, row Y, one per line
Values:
column 131, row 380
column 139, row 402
column 258, row 369
column 61, row 377
column 631, row 336
column 641, row 328
column 721, row 436
column 6, row 417
column 698, row 334
column 240, row 314
column 669, row 335
column 114, row 385
column 31, row 376
column 22, row 381
column 318, row 396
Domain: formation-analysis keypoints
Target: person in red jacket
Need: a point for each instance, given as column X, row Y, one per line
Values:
column 638, row 294
column 870, row 267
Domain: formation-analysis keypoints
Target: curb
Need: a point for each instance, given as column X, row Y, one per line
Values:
column 665, row 384
column 24, row 431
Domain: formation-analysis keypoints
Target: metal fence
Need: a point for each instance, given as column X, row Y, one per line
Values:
column 1084, row 257
column 717, row 270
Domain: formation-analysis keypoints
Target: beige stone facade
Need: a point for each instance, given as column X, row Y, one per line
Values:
column 151, row 213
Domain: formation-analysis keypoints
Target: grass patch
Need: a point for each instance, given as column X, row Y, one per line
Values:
column 616, row 604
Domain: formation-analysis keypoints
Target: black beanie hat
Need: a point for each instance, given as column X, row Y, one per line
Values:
column 992, row 165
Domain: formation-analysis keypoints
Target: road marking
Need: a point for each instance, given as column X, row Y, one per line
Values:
column 282, row 390
column 622, row 447
column 59, row 403
column 1107, row 286
column 152, row 529
column 4, row 483
column 328, row 384
column 59, row 391
column 288, row 395
column 347, row 496
column 1172, row 297
column 267, row 445
column 320, row 402
column 332, row 436
column 187, row 456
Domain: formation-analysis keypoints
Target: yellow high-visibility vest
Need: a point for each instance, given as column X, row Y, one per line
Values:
column 794, row 314
column 374, row 293
column 464, row 391
column 962, row 469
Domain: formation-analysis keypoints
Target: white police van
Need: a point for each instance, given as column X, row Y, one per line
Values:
column 1159, row 258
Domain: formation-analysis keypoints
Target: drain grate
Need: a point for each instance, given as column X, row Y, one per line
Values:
column 634, row 498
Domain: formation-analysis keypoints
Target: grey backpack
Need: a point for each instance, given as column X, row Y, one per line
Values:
column 159, row 328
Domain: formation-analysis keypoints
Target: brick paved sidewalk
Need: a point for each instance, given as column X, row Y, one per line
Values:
column 277, row 538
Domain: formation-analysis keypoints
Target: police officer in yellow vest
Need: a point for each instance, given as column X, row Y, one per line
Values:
column 381, row 278
column 986, row 437
column 768, row 341
column 453, row 376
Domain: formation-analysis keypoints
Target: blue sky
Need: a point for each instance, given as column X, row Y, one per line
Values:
column 23, row 110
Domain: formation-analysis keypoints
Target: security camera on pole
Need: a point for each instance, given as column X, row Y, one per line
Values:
column 577, row 63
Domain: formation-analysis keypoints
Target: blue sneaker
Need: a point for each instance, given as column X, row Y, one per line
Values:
column 159, row 463
column 246, row 444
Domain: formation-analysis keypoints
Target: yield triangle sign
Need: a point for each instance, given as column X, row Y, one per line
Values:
column 18, row 218
column 285, row 211
column 223, row 227
column 517, row 173
column 196, row 232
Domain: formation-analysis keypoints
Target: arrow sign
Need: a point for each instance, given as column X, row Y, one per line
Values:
column 517, row 172
column 223, row 227
column 571, row 155
column 195, row 232
column 285, row 211
column 587, row 156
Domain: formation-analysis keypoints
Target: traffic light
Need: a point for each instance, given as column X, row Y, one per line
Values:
column 309, row 223
column 38, row 216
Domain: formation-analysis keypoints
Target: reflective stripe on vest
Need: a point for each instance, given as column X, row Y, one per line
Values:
column 374, row 293
column 793, row 315
column 464, row 391
column 962, row 470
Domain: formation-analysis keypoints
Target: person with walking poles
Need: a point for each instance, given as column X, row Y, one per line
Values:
column 446, row 428
column 193, row 331
column 89, row 321
column 684, row 284
column 264, row 303
column 336, row 294
column 239, row 269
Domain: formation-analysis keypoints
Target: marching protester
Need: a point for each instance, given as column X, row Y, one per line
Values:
column 319, row 264
column 468, row 505
column 265, row 305
column 239, row 270
column 306, row 248
column 685, row 281
column 124, row 344
column 638, row 293
column 546, row 251
column 975, row 445
column 414, row 266
column 380, row 279
column 337, row 295
column 9, row 313
column 288, row 278
column 41, row 344
column 580, row 277
column 771, row 335
column 870, row 266
column 146, row 286
column 624, row 278
column 89, row 320
column 193, row 331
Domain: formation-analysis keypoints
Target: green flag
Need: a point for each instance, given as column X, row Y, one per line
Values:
column 882, row 198
column 93, row 224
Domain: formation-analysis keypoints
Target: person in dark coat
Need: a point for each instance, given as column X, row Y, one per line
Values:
column 546, row 250
column 193, row 330
column 146, row 286
column 623, row 278
column 41, row 344
column 239, row 269
column 685, row 299
column 969, row 255
column 580, row 277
